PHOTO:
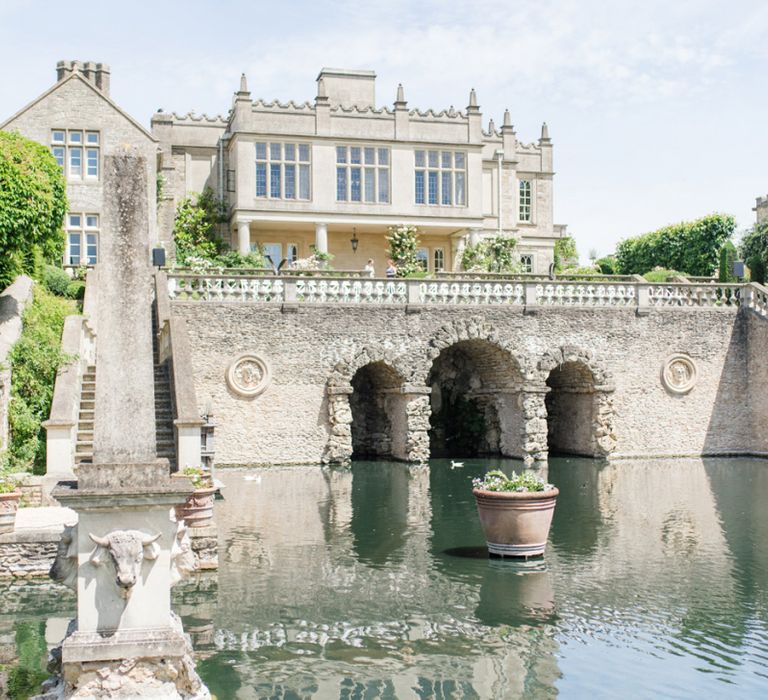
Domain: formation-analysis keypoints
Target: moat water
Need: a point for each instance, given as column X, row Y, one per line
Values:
column 374, row 583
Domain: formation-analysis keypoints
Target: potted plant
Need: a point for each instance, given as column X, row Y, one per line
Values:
column 10, row 495
column 515, row 512
column 197, row 510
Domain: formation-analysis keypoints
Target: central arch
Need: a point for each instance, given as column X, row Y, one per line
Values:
column 475, row 401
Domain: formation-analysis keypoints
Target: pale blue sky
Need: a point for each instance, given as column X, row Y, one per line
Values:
column 658, row 110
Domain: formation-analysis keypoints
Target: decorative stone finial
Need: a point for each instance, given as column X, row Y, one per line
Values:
column 321, row 92
column 243, row 83
column 472, row 98
column 400, row 93
column 544, row 132
column 507, row 118
column 491, row 127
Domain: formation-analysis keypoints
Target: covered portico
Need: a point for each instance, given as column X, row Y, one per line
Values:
column 352, row 242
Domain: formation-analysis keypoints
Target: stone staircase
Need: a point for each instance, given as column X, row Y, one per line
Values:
column 84, row 444
column 166, row 445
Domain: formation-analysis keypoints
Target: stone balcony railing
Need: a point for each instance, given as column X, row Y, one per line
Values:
column 530, row 294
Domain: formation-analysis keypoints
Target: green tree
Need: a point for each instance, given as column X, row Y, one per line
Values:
column 566, row 254
column 727, row 258
column 754, row 250
column 33, row 201
column 692, row 247
column 608, row 265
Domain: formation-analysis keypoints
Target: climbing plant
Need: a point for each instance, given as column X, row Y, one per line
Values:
column 565, row 253
column 497, row 254
column 403, row 249
column 198, row 244
column 33, row 202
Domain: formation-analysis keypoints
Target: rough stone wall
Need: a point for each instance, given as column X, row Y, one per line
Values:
column 757, row 389
column 289, row 422
column 26, row 559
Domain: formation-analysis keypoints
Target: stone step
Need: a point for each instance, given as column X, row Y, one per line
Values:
column 88, row 396
column 86, row 414
column 87, row 404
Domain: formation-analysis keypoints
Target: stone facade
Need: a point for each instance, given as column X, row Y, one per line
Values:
column 761, row 209
column 381, row 143
column 614, row 357
column 78, row 106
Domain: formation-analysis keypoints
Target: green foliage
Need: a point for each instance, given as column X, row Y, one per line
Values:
column 754, row 250
column 76, row 290
column 33, row 202
column 497, row 480
column 35, row 358
column 403, row 245
column 7, row 484
column 198, row 244
column 727, row 258
column 56, row 280
column 497, row 254
column 200, row 479
column 581, row 270
column 566, row 254
column 659, row 274
column 608, row 265
column 25, row 679
column 691, row 246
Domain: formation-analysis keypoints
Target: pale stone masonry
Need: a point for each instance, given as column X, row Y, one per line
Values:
column 761, row 209
column 77, row 119
column 315, row 175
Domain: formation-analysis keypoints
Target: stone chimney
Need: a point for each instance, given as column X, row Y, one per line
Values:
column 95, row 73
column 348, row 88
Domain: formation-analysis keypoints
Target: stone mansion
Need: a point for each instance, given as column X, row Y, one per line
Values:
column 330, row 175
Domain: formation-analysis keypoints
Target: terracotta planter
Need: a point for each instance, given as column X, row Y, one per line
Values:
column 516, row 524
column 9, row 504
column 197, row 510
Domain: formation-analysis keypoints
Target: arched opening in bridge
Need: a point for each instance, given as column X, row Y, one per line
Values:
column 475, row 402
column 571, row 410
column 378, row 412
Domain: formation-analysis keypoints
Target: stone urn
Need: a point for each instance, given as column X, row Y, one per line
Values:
column 197, row 510
column 516, row 524
column 9, row 504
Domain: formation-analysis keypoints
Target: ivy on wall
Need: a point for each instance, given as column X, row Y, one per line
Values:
column 403, row 247
column 33, row 202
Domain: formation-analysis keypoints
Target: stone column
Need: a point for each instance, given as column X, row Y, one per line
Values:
column 535, row 450
column 417, row 412
column 604, row 434
column 321, row 238
column 339, row 447
column 244, row 237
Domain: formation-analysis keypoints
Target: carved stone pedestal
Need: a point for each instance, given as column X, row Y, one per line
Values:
column 127, row 551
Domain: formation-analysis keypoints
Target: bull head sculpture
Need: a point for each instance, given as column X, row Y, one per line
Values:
column 127, row 549
column 64, row 568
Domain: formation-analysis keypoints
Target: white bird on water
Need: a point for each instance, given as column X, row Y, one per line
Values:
column 254, row 477
column 456, row 465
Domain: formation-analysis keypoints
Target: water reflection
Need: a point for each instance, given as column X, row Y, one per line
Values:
column 373, row 583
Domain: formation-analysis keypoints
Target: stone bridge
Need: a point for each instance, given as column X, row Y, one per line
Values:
column 299, row 370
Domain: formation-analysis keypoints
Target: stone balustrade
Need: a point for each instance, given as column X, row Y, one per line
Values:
column 529, row 293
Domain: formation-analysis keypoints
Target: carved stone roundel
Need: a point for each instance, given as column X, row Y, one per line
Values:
column 679, row 374
column 249, row 375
